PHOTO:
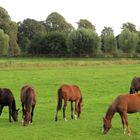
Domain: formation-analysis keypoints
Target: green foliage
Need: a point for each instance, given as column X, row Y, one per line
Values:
column 128, row 41
column 84, row 23
column 109, row 44
column 130, row 26
column 52, row 44
column 83, row 42
column 9, row 28
column 28, row 31
column 56, row 22
column 4, row 43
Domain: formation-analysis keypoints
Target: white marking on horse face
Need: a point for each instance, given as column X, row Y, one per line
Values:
column 102, row 129
column 75, row 116
column 65, row 119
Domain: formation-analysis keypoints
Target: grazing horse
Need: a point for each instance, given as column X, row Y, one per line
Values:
column 123, row 104
column 7, row 99
column 70, row 93
column 135, row 85
column 28, row 100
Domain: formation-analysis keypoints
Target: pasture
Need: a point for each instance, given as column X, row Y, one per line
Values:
column 100, row 80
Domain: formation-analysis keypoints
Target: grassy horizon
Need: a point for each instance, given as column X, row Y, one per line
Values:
column 100, row 80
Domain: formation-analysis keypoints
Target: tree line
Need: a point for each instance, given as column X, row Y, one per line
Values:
column 56, row 37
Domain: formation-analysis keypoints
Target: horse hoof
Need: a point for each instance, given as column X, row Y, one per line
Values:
column 129, row 134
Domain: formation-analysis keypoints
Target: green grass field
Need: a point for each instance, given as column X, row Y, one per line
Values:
column 100, row 80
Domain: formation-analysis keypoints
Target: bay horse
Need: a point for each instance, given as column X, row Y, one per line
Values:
column 123, row 104
column 28, row 100
column 70, row 93
column 135, row 85
column 7, row 99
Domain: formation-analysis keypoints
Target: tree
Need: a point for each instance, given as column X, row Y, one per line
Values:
column 128, row 41
column 83, row 42
column 109, row 44
column 84, row 23
column 56, row 22
column 4, row 43
column 130, row 26
column 10, row 28
column 28, row 31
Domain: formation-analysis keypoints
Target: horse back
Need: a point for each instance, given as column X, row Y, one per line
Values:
column 128, row 102
column 28, row 94
column 70, row 92
column 6, row 96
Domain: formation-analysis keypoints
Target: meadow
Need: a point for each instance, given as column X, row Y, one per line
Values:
column 100, row 80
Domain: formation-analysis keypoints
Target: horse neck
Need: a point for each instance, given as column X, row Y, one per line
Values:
column 13, row 105
column 110, row 113
column 28, row 104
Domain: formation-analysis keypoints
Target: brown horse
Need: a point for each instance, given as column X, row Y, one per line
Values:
column 70, row 93
column 28, row 99
column 7, row 99
column 135, row 85
column 123, row 104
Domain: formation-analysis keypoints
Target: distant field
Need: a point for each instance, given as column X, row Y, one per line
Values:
column 100, row 80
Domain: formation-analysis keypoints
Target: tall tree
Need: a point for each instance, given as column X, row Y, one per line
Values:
column 84, row 23
column 4, row 43
column 128, row 41
column 56, row 22
column 9, row 28
column 130, row 26
column 109, row 44
column 28, row 30
column 83, row 42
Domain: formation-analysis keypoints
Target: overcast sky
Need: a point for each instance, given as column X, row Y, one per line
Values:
column 112, row 13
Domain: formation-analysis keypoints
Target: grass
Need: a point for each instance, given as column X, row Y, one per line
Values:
column 100, row 80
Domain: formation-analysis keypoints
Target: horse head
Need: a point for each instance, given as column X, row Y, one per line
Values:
column 15, row 115
column 27, row 118
column 106, row 125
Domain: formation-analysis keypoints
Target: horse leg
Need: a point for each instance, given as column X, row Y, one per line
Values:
column 123, row 122
column 126, row 123
column 10, row 113
column 32, row 113
column 72, row 109
column 23, row 112
column 76, row 109
column 64, row 108
column 56, row 114
column 1, row 108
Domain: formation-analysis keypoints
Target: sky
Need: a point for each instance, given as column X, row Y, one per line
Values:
column 109, row 13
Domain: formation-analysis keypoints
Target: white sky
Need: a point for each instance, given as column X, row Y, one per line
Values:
column 112, row 13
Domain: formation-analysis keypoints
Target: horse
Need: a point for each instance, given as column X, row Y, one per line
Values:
column 7, row 99
column 123, row 104
column 28, row 100
column 135, row 85
column 70, row 93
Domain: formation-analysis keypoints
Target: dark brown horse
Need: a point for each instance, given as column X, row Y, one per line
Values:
column 123, row 104
column 28, row 100
column 7, row 99
column 70, row 93
column 135, row 85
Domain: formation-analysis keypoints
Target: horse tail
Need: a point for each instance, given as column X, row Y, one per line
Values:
column 59, row 104
column 131, row 91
